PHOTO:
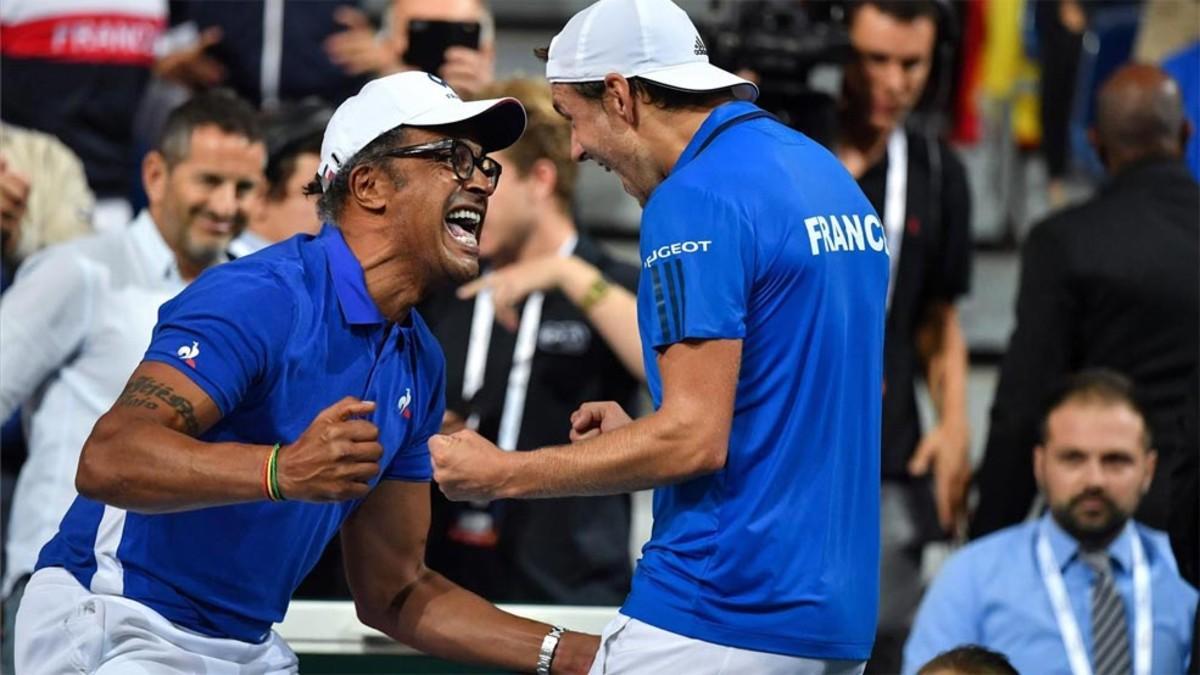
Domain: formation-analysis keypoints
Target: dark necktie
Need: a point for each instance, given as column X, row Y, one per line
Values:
column 1110, row 638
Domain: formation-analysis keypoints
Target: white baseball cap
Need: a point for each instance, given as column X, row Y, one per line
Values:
column 651, row 39
column 417, row 99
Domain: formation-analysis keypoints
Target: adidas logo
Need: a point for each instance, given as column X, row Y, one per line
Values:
column 700, row 49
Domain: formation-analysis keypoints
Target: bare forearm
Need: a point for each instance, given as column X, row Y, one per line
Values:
column 442, row 619
column 946, row 368
column 140, row 465
column 649, row 452
column 614, row 315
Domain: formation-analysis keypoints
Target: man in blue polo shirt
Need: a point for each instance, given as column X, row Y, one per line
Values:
column 761, row 311
column 284, row 396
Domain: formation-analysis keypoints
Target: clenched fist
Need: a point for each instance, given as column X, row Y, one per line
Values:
column 595, row 418
column 335, row 458
column 467, row 466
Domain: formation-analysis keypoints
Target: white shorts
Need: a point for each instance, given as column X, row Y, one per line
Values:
column 63, row 628
column 631, row 646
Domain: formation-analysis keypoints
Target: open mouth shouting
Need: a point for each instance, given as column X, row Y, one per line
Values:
column 464, row 223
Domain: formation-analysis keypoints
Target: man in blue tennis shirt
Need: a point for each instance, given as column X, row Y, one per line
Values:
column 284, row 396
column 761, row 310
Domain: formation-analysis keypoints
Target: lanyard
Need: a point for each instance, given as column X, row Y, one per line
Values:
column 482, row 321
column 1069, row 628
column 895, row 201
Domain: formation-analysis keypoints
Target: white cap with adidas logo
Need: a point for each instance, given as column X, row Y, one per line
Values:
column 650, row 39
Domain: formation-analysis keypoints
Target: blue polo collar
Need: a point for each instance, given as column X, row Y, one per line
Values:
column 348, row 282
column 720, row 115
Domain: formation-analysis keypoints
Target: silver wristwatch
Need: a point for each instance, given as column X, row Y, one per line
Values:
column 546, row 653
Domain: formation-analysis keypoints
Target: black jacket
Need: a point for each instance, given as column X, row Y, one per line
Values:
column 1114, row 283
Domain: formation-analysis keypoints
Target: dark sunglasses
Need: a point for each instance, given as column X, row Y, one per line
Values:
column 459, row 155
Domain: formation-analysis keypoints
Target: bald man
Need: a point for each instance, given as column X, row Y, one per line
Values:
column 1113, row 282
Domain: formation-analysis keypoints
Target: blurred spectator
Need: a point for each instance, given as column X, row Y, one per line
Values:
column 44, row 197
column 1075, row 587
column 968, row 660
column 44, row 200
column 920, row 188
column 1060, row 26
column 293, row 134
column 359, row 49
column 1114, row 282
column 542, row 335
column 79, row 315
column 268, row 51
column 76, row 69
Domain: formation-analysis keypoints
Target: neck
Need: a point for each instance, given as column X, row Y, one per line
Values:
column 552, row 229
column 860, row 145
column 393, row 281
column 668, row 134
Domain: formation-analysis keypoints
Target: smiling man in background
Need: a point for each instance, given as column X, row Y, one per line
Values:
column 78, row 318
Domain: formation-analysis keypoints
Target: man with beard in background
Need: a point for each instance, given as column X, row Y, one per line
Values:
column 1084, row 588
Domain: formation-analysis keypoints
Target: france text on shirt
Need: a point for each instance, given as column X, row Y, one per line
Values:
column 845, row 233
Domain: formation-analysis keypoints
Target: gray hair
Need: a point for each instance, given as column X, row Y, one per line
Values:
column 332, row 199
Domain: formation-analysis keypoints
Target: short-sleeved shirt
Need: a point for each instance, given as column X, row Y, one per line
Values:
column 273, row 339
column 760, row 235
column 934, row 266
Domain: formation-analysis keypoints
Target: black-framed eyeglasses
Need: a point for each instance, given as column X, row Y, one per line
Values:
column 458, row 154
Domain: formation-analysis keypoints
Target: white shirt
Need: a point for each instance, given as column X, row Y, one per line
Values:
column 73, row 326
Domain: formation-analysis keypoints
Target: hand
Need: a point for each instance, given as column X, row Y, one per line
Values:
column 595, row 418
column 945, row 448
column 192, row 66
column 467, row 71
column 468, row 467
column 358, row 50
column 335, row 458
column 513, row 283
column 575, row 653
column 14, row 198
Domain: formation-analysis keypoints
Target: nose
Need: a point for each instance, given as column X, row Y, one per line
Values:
column 223, row 200
column 893, row 77
column 479, row 183
column 1093, row 473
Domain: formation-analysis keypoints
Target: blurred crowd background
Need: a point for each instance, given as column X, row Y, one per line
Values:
column 998, row 131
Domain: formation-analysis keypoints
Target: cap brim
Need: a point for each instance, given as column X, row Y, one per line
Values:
column 700, row 76
column 494, row 123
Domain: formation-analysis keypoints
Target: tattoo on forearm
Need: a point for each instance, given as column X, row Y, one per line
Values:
column 147, row 392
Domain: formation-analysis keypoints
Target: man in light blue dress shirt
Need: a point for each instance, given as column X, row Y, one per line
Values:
column 1030, row 591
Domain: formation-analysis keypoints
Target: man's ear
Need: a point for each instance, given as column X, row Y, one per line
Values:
column 545, row 177
column 619, row 99
column 1151, row 465
column 1039, row 466
column 1093, row 138
column 370, row 187
column 155, row 173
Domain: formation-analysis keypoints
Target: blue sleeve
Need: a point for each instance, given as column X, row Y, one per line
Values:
column 223, row 330
column 698, row 267
column 413, row 463
column 947, row 617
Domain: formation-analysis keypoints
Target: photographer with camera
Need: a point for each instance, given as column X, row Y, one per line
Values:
column 920, row 189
